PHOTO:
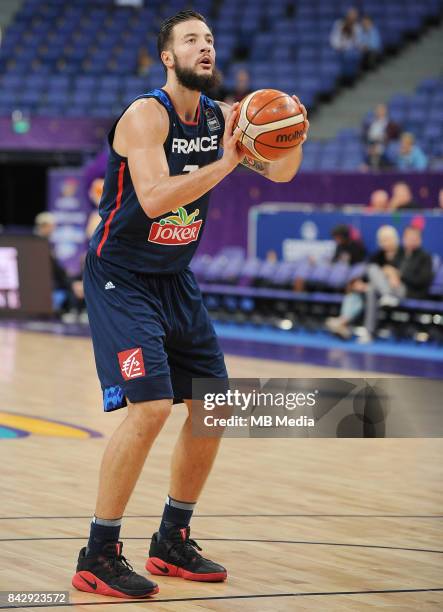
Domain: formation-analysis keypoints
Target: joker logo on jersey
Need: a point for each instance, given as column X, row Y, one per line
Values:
column 177, row 229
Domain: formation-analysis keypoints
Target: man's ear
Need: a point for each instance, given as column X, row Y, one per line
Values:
column 167, row 59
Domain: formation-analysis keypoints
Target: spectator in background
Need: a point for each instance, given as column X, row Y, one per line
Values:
column 349, row 248
column 369, row 42
column 378, row 201
column 241, row 89
column 377, row 134
column 389, row 254
column 44, row 227
column 440, row 198
column 144, row 62
column 411, row 278
column 410, row 156
column 402, row 198
column 345, row 32
column 95, row 194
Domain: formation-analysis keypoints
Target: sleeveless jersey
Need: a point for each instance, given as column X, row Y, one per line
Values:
column 126, row 236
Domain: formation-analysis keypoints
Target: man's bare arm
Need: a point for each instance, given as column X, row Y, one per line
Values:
column 141, row 134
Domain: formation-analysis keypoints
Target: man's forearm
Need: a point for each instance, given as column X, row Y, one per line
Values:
column 174, row 191
column 283, row 170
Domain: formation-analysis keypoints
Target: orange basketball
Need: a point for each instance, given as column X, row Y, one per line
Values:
column 272, row 124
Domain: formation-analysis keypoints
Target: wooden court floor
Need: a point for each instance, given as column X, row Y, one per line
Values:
column 301, row 524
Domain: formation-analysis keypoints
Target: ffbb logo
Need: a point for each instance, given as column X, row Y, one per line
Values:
column 179, row 229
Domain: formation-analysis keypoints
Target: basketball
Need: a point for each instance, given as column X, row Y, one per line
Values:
column 272, row 124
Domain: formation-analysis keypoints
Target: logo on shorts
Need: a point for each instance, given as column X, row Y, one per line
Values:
column 131, row 363
column 109, row 285
column 180, row 228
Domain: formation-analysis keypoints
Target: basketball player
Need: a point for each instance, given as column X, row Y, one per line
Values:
column 150, row 330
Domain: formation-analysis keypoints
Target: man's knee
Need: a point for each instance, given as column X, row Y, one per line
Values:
column 149, row 414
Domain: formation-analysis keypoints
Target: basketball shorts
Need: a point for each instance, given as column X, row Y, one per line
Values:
column 151, row 334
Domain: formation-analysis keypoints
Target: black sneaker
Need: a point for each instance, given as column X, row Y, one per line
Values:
column 110, row 574
column 177, row 556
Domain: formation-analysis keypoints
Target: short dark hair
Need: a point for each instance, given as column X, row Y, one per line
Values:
column 341, row 230
column 412, row 228
column 165, row 33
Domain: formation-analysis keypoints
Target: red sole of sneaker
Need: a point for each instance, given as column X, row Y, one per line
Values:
column 86, row 581
column 156, row 566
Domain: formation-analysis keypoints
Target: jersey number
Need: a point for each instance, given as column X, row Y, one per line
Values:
column 190, row 168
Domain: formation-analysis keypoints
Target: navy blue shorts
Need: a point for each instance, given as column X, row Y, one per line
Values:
column 151, row 334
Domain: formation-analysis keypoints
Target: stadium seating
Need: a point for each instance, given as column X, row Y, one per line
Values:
column 238, row 289
column 72, row 59
column 420, row 113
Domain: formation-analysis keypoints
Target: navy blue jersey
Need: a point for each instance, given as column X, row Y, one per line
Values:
column 126, row 236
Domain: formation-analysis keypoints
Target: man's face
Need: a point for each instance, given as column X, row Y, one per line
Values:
column 380, row 199
column 193, row 54
column 387, row 242
column 46, row 230
column 406, row 144
column 402, row 193
column 339, row 239
column 380, row 111
column 352, row 15
column 411, row 239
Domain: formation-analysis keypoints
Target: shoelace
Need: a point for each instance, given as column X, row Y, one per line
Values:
column 187, row 548
column 120, row 564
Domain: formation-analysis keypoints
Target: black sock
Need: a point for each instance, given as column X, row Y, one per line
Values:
column 103, row 531
column 176, row 514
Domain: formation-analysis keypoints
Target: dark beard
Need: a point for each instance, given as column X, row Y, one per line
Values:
column 207, row 84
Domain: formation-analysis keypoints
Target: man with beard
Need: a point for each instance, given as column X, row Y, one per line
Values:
column 150, row 330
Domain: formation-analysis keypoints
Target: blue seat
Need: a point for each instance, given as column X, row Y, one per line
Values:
column 284, row 273
column 49, row 110
column 31, row 98
column 319, row 274
column 57, row 98
column 12, row 81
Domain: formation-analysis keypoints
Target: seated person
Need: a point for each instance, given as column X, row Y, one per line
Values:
column 409, row 155
column 378, row 133
column 378, row 202
column 44, row 226
column 390, row 253
column 411, row 279
column 408, row 273
column 402, row 198
column 346, row 31
column 369, row 42
column 349, row 249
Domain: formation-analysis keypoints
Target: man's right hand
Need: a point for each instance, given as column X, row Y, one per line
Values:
column 232, row 155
